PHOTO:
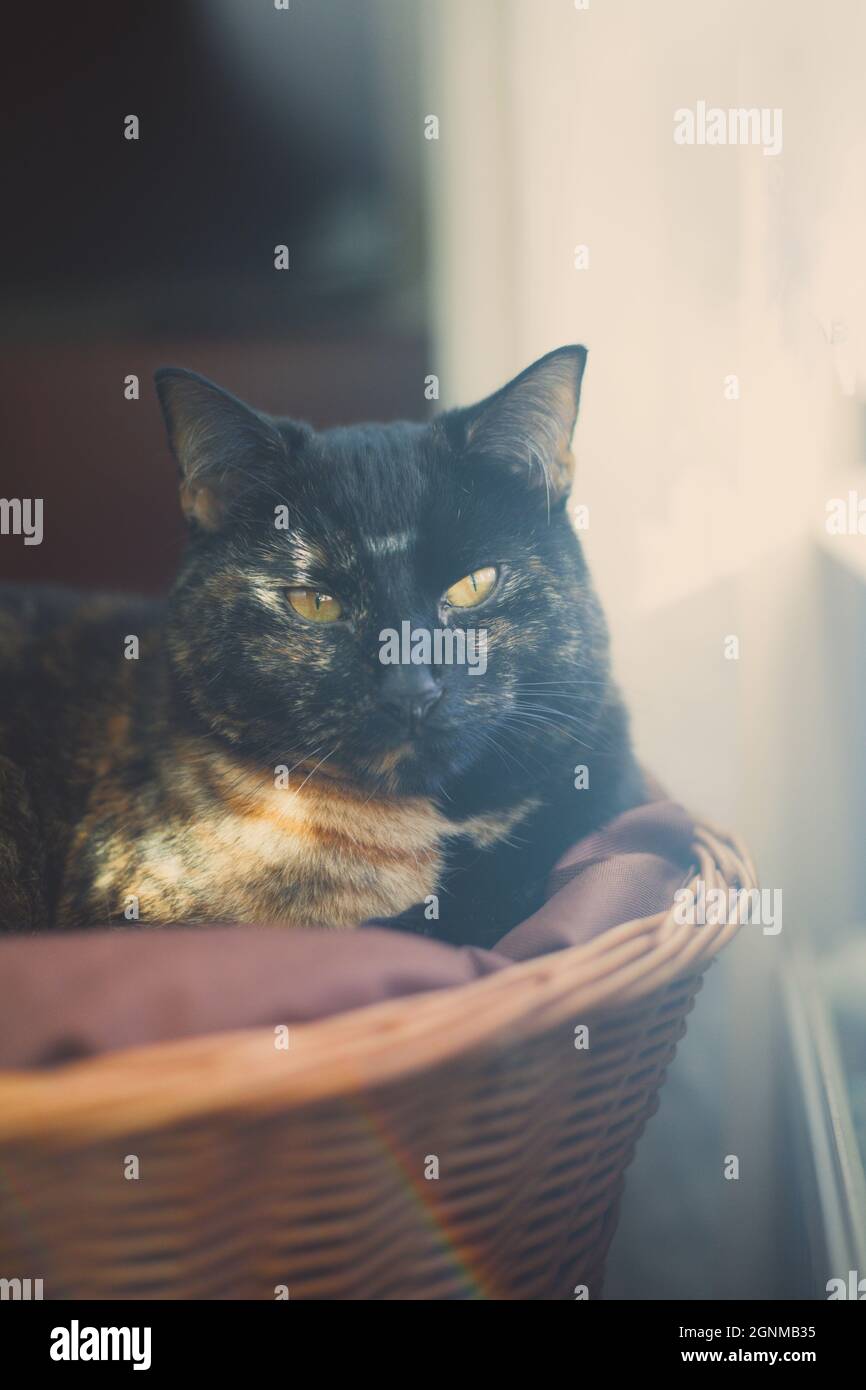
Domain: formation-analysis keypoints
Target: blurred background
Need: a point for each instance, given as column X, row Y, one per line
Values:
column 722, row 295
column 258, row 128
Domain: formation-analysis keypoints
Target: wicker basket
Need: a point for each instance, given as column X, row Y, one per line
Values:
column 313, row 1168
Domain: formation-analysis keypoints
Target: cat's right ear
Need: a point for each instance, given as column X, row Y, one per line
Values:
column 221, row 445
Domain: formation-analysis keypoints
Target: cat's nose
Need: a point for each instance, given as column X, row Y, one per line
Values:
column 408, row 694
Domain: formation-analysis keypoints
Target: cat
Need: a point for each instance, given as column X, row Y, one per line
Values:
column 242, row 752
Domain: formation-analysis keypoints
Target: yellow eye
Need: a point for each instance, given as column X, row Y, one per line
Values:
column 473, row 588
column 314, row 605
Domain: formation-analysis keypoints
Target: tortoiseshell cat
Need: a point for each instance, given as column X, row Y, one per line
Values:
column 258, row 761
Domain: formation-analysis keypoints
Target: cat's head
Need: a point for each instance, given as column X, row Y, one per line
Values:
column 318, row 561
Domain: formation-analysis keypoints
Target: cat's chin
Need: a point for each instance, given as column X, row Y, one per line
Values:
column 410, row 769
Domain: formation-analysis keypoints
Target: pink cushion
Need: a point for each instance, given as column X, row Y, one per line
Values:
column 76, row 994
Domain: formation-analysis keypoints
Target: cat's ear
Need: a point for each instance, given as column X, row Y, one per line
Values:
column 527, row 425
column 222, row 446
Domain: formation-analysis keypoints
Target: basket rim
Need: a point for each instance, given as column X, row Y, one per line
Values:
column 157, row 1085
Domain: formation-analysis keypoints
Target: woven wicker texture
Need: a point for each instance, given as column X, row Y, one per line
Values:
column 310, row 1167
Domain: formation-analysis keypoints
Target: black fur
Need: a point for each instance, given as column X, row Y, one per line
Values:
column 95, row 750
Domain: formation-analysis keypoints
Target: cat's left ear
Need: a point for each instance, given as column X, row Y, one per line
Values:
column 528, row 424
column 222, row 446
